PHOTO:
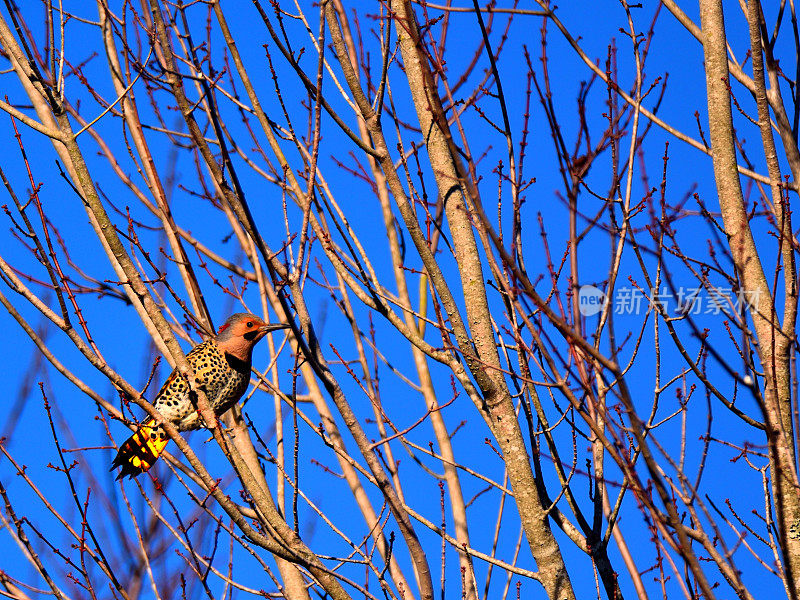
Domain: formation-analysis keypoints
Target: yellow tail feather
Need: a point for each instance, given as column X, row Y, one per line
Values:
column 141, row 450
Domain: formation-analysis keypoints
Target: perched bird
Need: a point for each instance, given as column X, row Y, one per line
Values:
column 221, row 369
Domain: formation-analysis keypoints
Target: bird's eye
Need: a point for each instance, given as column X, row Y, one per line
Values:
column 249, row 324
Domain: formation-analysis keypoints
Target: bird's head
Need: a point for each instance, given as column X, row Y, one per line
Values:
column 242, row 331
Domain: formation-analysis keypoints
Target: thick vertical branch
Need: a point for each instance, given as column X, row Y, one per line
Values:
column 774, row 344
column 426, row 383
column 483, row 361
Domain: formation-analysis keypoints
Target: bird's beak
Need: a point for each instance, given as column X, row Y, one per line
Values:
column 270, row 327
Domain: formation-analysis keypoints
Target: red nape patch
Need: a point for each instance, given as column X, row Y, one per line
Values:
column 224, row 327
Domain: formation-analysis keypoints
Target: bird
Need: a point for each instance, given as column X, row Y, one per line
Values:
column 221, row 367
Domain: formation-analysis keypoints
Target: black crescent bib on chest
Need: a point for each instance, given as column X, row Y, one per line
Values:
column 237, row 364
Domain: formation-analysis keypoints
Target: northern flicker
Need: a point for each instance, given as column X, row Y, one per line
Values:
column 221, row 369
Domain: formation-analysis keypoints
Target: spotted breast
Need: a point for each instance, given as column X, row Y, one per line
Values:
column 222, row 377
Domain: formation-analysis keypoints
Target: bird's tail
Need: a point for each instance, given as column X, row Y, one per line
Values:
column 141, row 450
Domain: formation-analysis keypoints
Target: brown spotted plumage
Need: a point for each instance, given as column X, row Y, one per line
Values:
column 221, row 369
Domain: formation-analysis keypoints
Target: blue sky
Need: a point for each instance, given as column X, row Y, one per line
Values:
column 122, row 341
